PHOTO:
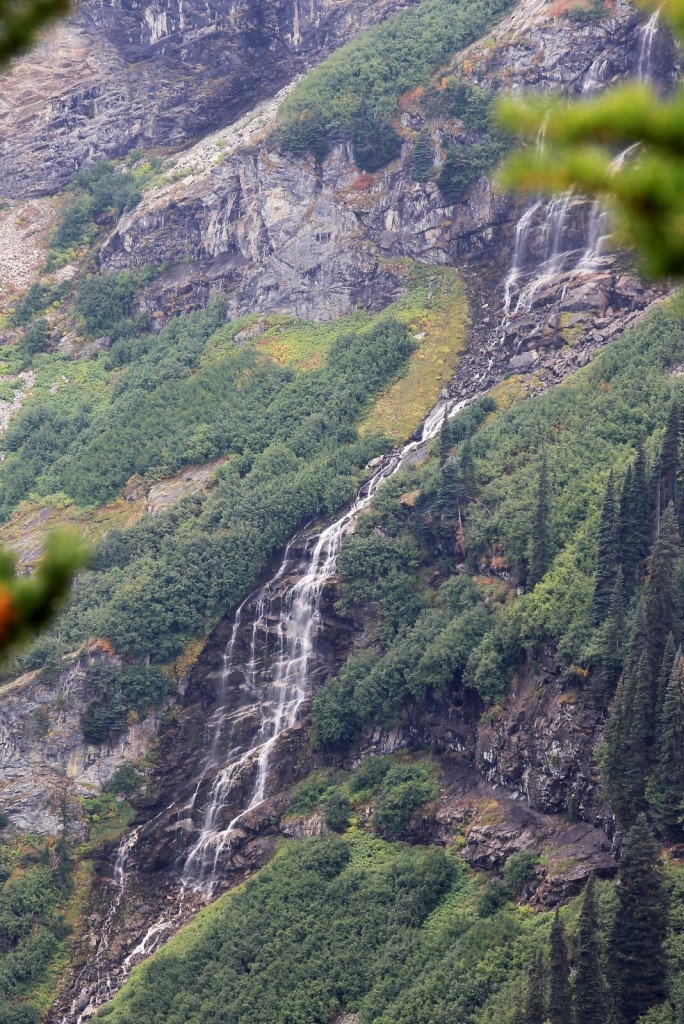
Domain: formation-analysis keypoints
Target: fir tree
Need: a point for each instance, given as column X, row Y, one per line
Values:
column 448, row 493
column 466, row 472
column 445, row 440
column 540, row 555
column 423, row 158
column 666, row 788
column 639, row 928
column 606, row 555
column 638, row 753
column 535, row 1011
column 560, row 1002
column 661, row 592
column 667, row 475
column 64, row 868
column 635, row 522
column 666, row 667
column 590, row 999
column 612, row 753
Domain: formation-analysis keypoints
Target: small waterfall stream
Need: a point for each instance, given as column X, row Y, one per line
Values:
column 278, row 680
column 546, row 222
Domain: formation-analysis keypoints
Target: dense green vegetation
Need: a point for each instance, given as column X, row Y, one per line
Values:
column 33, row 929
column 190, row 394
column 401, row 935
column 356, row 90
column 523, row 492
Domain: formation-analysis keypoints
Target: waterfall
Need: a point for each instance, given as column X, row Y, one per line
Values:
column 277, row 681
column 648, row 35
column 551, row 217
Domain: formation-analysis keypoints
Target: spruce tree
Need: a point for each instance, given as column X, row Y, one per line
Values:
column 668, row 464
column 535, row 1010
column 540, row 547
column 560, row 1002
column 639, row 928
column 613, row 753
column 448, row 492
column 661, row 592
column 606, row 555
column 635, row 522
column 422, row 160
column 666, row 788
column 608, row 645
column 466, row 472
column 445, row 441
column 590, row 998
column 666, row 667
column 639, row 747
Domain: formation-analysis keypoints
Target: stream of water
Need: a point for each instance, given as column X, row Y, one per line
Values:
column 278, row 676
column 547, row 222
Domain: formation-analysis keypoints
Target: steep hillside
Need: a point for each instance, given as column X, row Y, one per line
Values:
column 383, row 472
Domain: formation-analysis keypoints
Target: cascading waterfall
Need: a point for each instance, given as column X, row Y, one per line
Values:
column 279, row 681
column 551, row 216
column 648, row 37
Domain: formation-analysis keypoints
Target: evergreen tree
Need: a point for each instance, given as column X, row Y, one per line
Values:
column 535, row 1011
column 666, row 788
column 612, row 753
column 540, row 553
column 590, row 998
column 466, row 472
column 560, row 1002
column 667, row 474
column 661, row 592
column 606, row 555
column 64, row 868
column 605, row 653
column 667, row 665
column 445, row 441
column 635, row 522
column 423, row 158
column 639, row 747
column 448, row 493
column 639, row 928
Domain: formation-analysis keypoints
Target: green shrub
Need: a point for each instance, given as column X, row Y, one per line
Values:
column 518, row 870
column 125, row 781
column 336, row 812
column 406, row 787
column 104, row 301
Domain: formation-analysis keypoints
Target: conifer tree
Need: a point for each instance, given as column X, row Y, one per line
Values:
column 639, row 748
column 635, row 522
column 540, row 554
column 606, row 555
column 609, row 644
column 590, row 998
column 666, row 788
column 448, row 492
column 445, row 441
column 535, row 1011
column 612, row 753
column 423, row 159
column 666, row 668
column 560, row 1002
column 667, row 475
column 661, row 591
column 639, row 927
column 466, row 471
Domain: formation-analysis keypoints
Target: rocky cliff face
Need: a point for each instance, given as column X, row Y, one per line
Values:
column 277, row 233
column 121, row 74
column 43, row 753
